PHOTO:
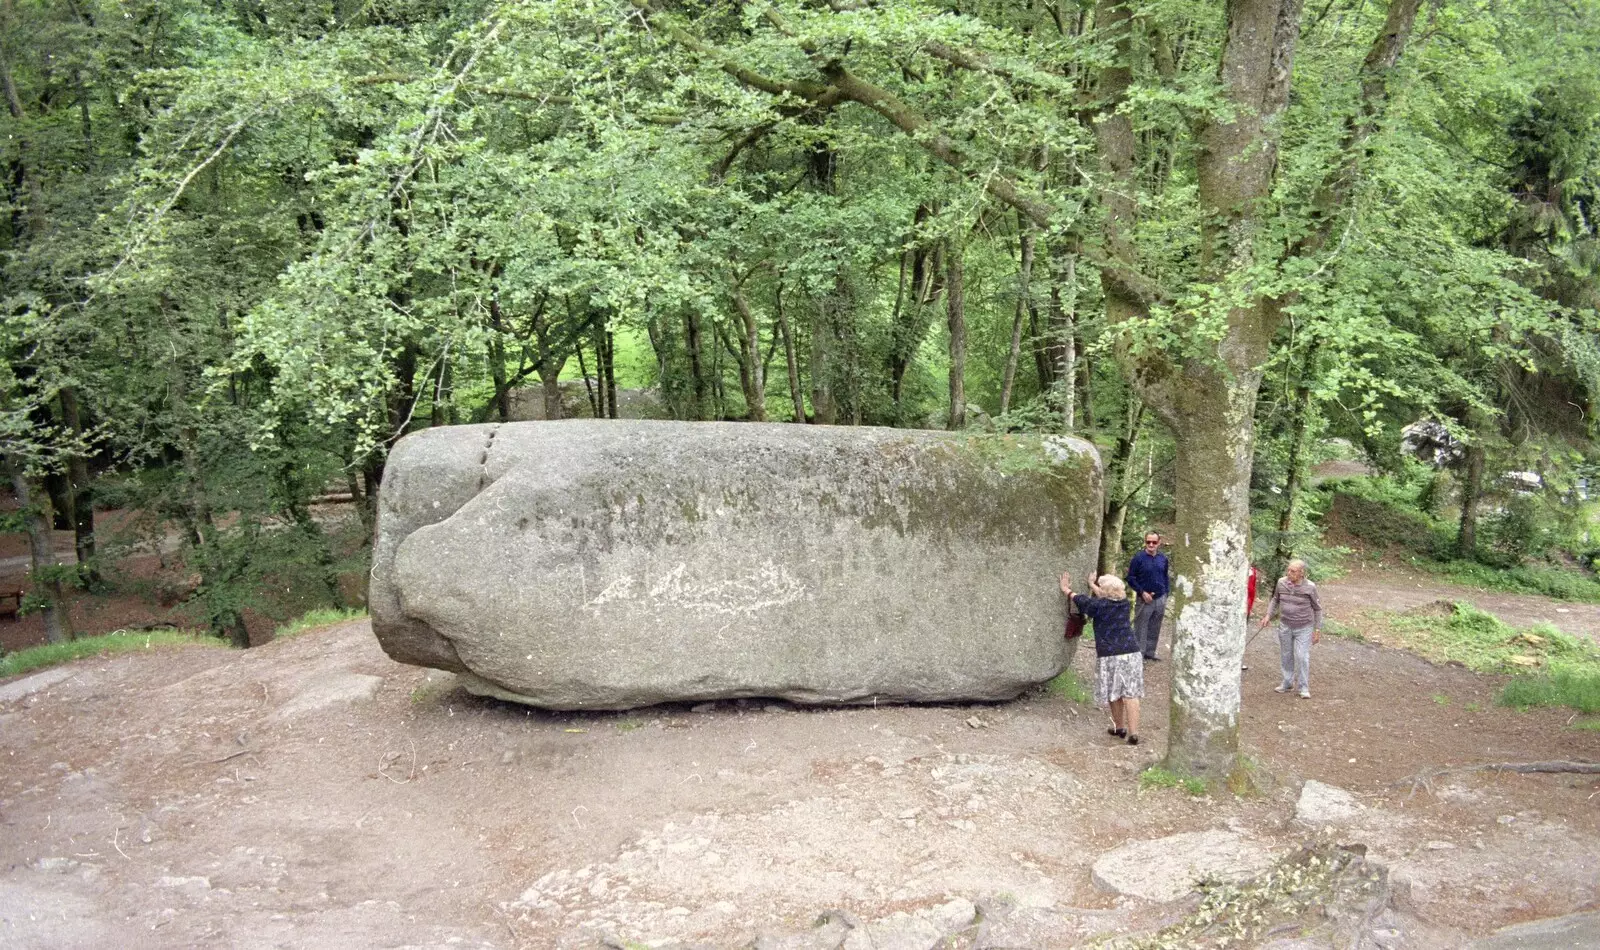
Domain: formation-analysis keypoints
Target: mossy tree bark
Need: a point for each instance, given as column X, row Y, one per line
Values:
column 34, row 503
column 956, row 307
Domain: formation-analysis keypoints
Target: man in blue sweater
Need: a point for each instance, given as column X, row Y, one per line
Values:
column 1147, row 581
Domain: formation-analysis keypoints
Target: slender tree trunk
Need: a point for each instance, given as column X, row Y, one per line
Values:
column 497, row 372
column 1085, row 385
column 80, row 489
column 1024, row 301
column 1041, row 351
column 1119, row 479
column 697, row 379
column 608, row 366
column 956, row 307
column 1471, row 489
column 821, row 373
column 605, row 387
column 791, row 359
column 1064, row 307
column 34, row 502
column 443, row 410
column 751, row 374
column 1300, row 427
column 372, row 478
column 589, row 385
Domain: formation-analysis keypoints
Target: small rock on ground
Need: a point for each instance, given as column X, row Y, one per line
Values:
column 1322, row 804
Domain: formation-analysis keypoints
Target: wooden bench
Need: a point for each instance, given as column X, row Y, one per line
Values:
column 10, row 603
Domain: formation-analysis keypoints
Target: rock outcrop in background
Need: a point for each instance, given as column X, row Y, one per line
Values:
column 608, row 565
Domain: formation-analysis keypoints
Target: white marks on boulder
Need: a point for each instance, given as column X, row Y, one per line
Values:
column 765, row 587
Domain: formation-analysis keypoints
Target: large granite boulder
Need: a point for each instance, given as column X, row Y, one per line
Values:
column 613, row 564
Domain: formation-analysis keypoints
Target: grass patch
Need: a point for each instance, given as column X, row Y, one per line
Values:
column 1588, row 725
column 1535, row 579
column 312, row 619
column 1334, row 628
column 1576, row 688
column 1157, row 777
column 121, row 641
column 1483, row 643
column 1552, row 668
column 1067, row 687
column 1439, row 699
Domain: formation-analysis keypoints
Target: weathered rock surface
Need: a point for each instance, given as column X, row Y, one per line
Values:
column 336, row 688
column 613, row 564
column 1169, row 868
column 1573, row 932
column 28, row 685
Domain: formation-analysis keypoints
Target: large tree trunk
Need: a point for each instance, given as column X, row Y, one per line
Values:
column 34, row 503
column 1210, row 557
column 956, row 307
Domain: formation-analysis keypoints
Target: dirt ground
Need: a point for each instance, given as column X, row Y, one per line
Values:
column 312, row 793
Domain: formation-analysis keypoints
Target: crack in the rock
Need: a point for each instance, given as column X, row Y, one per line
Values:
column 483, row 460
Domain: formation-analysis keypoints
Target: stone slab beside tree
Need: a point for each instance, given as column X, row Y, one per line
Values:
column 615, row 564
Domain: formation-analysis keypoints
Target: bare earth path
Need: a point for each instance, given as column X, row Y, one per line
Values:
column 1367, row 588
column 311, row 793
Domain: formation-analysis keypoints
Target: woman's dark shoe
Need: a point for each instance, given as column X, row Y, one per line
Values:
column 1119, row 733
column 1133, row 740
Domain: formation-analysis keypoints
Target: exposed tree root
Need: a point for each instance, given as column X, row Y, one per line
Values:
column 1425, row 779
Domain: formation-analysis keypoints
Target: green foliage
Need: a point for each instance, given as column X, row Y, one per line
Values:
column 1383, row 513
column 1157, row 777
column 1484, row 643
column 1574, row 687
column 315, row 619
column 1384, row 524
column 121, row 641
column 1546, row 581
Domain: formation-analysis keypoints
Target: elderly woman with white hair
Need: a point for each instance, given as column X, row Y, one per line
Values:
column 1299, row 611
column 1119, row 682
